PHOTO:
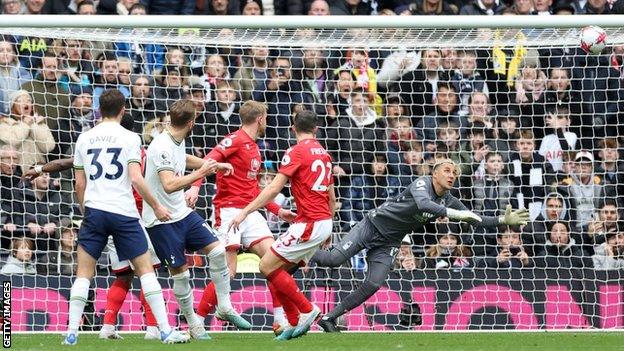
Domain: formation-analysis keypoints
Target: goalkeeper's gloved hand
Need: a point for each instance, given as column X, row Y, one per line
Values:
column 465, row 215
column 517, row 217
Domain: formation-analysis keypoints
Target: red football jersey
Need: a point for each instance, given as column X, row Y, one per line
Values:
column 241, row 188
column 309, row 168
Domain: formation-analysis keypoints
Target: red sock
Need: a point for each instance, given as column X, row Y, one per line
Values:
column 274, row 296
column 114, row 300
column 150, row 320
column 208, row 300
column 288, row 290
column 290, row 309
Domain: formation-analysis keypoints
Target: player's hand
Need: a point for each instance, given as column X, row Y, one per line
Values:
column 226, row 168
column 464, row 216
column 162, row 213
column 30, row 175
column 191, row 196
column 208, row 167
column 235, row 223
column 503, row 256
column 517, row 217
column 286, row 215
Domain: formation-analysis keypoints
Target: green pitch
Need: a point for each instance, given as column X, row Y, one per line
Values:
column 342, row 342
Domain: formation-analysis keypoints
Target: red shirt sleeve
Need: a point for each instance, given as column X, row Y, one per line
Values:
column 219, row 153
column 273, row 208
column 290, row 163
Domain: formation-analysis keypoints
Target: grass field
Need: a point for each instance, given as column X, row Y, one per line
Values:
column 342, row 342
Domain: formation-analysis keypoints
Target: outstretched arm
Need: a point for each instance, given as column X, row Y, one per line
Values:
column 50, row 167
column 517, row 217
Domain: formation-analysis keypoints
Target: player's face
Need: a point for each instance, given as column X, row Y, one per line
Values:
column 445, row 176
column 262, row 122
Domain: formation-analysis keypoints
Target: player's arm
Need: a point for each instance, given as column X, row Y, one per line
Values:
column 420, row 193
column 138, row 182
column 172, row 183
column 332, row 200
column 517, row 217
column 268, row 194
column 81, row 185
column 50, row 167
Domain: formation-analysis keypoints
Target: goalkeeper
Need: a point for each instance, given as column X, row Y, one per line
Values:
column 382, row 230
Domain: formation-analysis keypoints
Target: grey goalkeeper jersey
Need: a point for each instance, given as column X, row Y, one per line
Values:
column 416, row 206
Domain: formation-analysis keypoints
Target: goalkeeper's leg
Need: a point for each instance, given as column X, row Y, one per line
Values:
column 348, row 247
column 379, row 265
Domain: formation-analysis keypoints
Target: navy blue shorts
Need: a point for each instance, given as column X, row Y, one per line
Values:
column 128, row 234
column 170, row 240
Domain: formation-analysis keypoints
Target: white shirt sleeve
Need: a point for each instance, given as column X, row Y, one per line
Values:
column 133, row 152
column 78, row 157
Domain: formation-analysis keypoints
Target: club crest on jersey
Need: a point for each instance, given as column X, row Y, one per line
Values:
column 227, row 142
column 255, row 165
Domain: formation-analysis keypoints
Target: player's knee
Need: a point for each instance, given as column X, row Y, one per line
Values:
column 217, row 252
column 370, row 287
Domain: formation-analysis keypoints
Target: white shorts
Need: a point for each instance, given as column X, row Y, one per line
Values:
column 123, row 266
column 301, row 241
column 251, row 231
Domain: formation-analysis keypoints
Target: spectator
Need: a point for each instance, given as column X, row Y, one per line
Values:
column 530, row 95
column 399, row 142
column 222, row 116
column 427, row 7
column 358, row 62
column 9, row 179
column 604, row 222
column 168, row 7
column 275, row 224
column 477, row 147
column 405, row 259
column 13, row 7
column 27, row 131
column 38, row 207
column 171, row 89
column 141, row 104
column 253, row 72
column 21, row 259
column 467, row 80
column 50, row 99
column 145, row 58
column 448, row 137
column 34, row 7
column 252, row 8
column 86, row 7
column 419, row 87
column 154, row 127
column 137, row 9
column 558, row 92
column 280, row 92
column 77, row 73
column 510, row 252
column 560, row 250
column 395, row 65
column 542, row 7
column 479, row 111
column 350, row 7
column 372, row 189
column 315, row 76
column 448, row 252
column 214, row 72
column 445, row 111
column 584, row 188
column 507, row 133
column 560, row 140
column 12, row 75
column 108, row 78
column 222, row 7
column 124, row 7
column 611, row 169
column 62, row 261
column 340, row 95
column 81, row 115
column 522, row 7
column 319, row 8
column 483, row 7
column 610, row 254
column 492, row 193
column 531, row 174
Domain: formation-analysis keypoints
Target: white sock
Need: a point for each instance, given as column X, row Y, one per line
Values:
column 278, row 315
column 108, row 327
column 220, row 276
column 151, row 330
column 154, row 297
column 77, row 301
column 200, row 319
column 184, row 294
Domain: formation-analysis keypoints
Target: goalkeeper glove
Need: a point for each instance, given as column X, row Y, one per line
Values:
column 465, row 215
column 518, row 217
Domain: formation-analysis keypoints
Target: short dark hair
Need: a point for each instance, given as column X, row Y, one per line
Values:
column 85, row 3
column 181, row 112
column 112, row 101
column 251, row 110
column 305, row 121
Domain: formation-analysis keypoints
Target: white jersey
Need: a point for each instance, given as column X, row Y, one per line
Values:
column 104, row 153
column 165, row 154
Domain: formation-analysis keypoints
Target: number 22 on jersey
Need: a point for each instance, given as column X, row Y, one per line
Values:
column 324, row 172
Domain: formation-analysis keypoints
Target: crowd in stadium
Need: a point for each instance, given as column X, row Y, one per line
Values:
column 536, row 128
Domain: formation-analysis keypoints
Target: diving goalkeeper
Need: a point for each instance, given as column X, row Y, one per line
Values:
column 382, row 230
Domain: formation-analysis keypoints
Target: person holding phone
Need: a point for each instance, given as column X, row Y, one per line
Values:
column 510, row 252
